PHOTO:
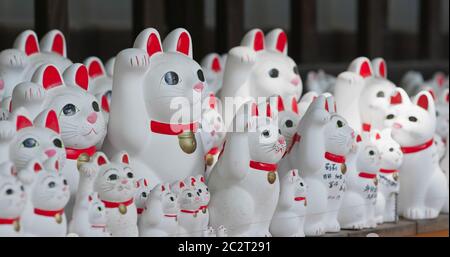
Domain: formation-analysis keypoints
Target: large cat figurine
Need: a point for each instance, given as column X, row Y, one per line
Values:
column 374, row 101
column 150, row 86
column 320, row 157
column 213, row 66
column 244, row 184
column 424, row 187
column 388, row 177
column 259, row 67
column 115, row 185
column 358, row 207
column 160, row 216
column 12, row 201
column 49, row 195
column 19, row 63
column 289, row 216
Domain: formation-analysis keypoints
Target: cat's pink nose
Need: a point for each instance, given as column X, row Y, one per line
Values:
column 125, row 181
column 50, row 153
column 92, row 118
column 199, row 87
column 295, row 81
column 281, row 140
column 397, row 125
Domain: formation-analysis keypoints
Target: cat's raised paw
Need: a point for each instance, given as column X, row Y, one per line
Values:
column 244, row 54
column 414, row 213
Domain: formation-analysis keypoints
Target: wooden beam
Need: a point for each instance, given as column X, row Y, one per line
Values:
column 149, row 13
column 372, row 19
column 303, row 36
column 51, row 14
column 229, row 24
column 430, row 24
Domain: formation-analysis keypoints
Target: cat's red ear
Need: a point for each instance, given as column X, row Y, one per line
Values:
column 255, row 40
column 55, row 42
column 163, row 188
column 380, row 67
column 396, row 99
column 294, row 173
column 358, row 138
column 361, row 66
column 431, row 91
column 125, row 158
column 95, row 67
column 105, row 104
column 179, row 40
column 280, row 104
column 57, row 165
column 48, row 76
column 37, row 167
column 193, row 181
column 295, row 105
column 215, row 65
column 77, row 75
column 327, row 108
column 423, row 101
column 277, row 40
column 268, row 110
column 378, row 136
column 22, row 122
column 27, row 42
column 202, row 179
column 255, row 111
column 100, row 158
column 90, row 198
column 212, row 101
column 182, row 185
column 149, row 40
column 52, row 122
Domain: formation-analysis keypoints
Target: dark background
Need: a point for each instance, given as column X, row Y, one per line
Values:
column 328, row 34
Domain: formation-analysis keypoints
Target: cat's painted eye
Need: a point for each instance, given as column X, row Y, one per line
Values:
column 99, row 208
column 171, row 78
column 144, row 194
column 266, row 133
column 391, row 149
column 95, row 106
column 279, row 131
column 380, row 94
column 301, row 184
column 65, row 182
column 371, row 153
column 30, row 143
column 390, row 116
column 130, row 175
column 9, row 191
column 412, row 119
column 189, row 195
column 219, row 119
column 340, row 124
column 207, row 189
column 22, row 188
column 51, row 184
column 200, row 75
column 200, row 191
column 58, row 143
column 289, row 123
column 296, row 70
column 437, row 113
column 69, row 110
column 274, row 73
column 113, row 177
column 172, row 199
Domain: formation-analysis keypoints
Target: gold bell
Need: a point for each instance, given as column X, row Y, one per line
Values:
column 122, row 209
column 187, row 142
column 271, row 177
column 343, row 168
column 204, row 211
column 395, row 176
column 16, row 226
column 83, row 158
column 375, row 181
column 58, row 218
column 209, row 159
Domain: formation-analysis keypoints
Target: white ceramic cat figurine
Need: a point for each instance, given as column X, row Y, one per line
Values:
column 160, row 216
column 388, row 177
column 374, row 101
column 259, row 67
column 442, row 114
column 115, row 185
column 97, row 218
column 49, row 195
column 162, row 140
column 358, row 207
column 18, row 64
column 189, row 200
column 12, row 201
column 141, row 195
column 444, row 166
column 244, row 185
column 40, row 141
column 424, row 188
column 348, row 90
column 199, row 183
column 289, row 217
column 212, row 132
column 100, row 83
column 213, row 67
column 288, row 119
column 305, row 102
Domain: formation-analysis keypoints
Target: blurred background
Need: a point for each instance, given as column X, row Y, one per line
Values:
column 328, row 34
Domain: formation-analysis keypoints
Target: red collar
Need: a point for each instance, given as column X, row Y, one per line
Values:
column 334, row 157
column 172, row 129
column 47, row 213
column 300, row 198
column 367, row 175
column 214, row 151
column 170, row 215
column 189, row 211
column 73, row 154
column 417, row 148
column 140, row 210
column 269, row 167
column 8, row 221
column 204, row 207
column 366, row 127
column 117, row 204
column 385, row 171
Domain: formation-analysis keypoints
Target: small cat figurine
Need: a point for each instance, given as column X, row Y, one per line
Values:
column 12, row 201
column 141, row 195
column 424, row 187
column 213, row 67
column 49, row 195
column 115, row 185
column 199, row 183
column 388, row 177
column 244, row 184
column 442, row 114
column 288, row 119
column 212, row 133
column 358, row 207
column 444, row 166
column 97, row 218
column 189, row 200
column 160, row 216
column 289, row 217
